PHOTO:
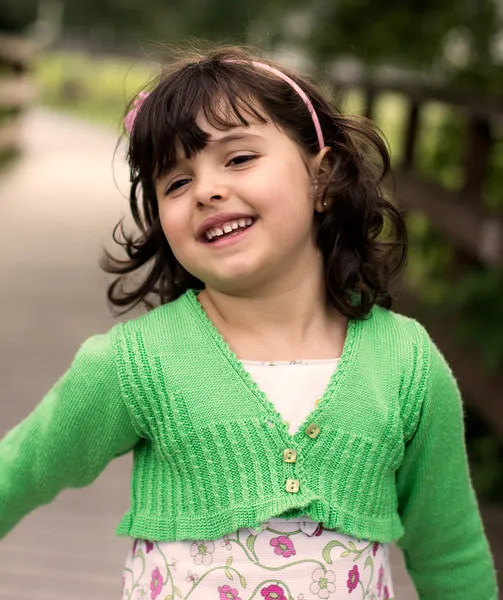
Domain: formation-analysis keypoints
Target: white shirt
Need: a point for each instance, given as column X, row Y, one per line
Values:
column 293, row 387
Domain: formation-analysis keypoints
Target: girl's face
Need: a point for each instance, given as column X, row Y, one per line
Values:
column 240, row 213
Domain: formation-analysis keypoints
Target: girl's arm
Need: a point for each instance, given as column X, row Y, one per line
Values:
column 446, row 551
column 77, row 429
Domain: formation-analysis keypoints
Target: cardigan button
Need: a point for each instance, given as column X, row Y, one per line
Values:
column 290, row 455
column 292, row 486
column 313, row 430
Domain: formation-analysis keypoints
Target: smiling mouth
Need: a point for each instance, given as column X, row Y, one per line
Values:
column 227, row 230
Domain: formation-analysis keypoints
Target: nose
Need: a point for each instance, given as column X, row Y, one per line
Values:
column 208, row 191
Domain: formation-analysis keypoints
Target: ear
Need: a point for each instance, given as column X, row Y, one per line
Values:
column 322, row 165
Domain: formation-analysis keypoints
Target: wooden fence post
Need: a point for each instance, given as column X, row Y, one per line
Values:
column 370, row 100
column 476, row 159
column 410, row 137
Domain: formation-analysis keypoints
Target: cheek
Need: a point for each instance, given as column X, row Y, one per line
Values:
column 285, row 196
column 175, row 225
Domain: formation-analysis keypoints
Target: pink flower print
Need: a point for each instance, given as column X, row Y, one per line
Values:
column 191, row 577
column 156, row 583
column 228, row 593
column 173, row 564
column 202, row 551
column 375, row 548
column 353, row 578
column 226, row 543
column 380, row 580
column 273, row 592
column 319, row 530
column 149, row 546
column 283, row 545
column 323, row 584
column 386, row 593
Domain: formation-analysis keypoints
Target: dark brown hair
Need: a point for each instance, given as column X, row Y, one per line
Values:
column 361, row 235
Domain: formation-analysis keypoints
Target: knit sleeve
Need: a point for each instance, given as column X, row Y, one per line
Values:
column 77, row 429
column 445, row 548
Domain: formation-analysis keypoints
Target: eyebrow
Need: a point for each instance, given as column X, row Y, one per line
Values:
column 236, row 137
column 227, row 139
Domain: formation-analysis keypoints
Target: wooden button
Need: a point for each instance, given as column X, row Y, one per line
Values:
column 290, row 455
column 292, row 486
column 313, row 430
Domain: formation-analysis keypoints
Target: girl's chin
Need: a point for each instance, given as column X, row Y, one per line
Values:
column 235, row 281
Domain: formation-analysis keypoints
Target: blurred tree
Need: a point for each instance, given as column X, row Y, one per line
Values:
column 121, row 22
column 16, row 15
column 460, row 41
column 402, row 32
column 156, row 21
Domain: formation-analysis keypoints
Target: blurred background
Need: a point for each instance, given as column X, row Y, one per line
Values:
column 430, row 73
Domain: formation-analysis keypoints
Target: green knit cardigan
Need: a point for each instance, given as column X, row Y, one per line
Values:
column 382, row 457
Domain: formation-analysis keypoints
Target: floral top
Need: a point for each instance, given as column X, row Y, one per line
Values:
column 286, row 560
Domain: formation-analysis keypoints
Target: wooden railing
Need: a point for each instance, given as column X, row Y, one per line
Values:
column 16, row 89
column 476, row 232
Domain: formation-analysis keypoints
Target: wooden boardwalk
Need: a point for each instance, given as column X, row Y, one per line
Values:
column 56, row 205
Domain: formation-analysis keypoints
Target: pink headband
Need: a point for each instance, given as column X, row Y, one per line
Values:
column 298, row 89
column 131, row 116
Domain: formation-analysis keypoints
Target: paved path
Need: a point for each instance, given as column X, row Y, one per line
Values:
column 56, row 206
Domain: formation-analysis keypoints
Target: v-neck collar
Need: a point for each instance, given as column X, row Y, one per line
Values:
column 353, row 336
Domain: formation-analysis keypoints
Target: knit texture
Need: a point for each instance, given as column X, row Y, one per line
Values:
column 388, row 464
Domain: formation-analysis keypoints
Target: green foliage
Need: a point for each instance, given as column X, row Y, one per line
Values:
column 403, row 32
column 476, row 300
column 428, row 258
column 440, row 148
column 410, row 34
column 150, row 23
column 17, row 15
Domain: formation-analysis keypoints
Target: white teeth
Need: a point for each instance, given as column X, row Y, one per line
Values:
column 228, row 228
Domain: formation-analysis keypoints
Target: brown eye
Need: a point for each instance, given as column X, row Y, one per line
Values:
column 177, row 185
column 241, row 159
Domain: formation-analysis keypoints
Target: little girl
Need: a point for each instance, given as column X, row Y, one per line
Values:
column 286, row 425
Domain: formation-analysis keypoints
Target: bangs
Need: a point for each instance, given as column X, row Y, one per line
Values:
column 166, row 123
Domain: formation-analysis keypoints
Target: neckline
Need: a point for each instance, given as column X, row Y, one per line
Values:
column 353, row 335
column 306, row 362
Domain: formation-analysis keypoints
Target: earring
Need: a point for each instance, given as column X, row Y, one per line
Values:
column 324, row 204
